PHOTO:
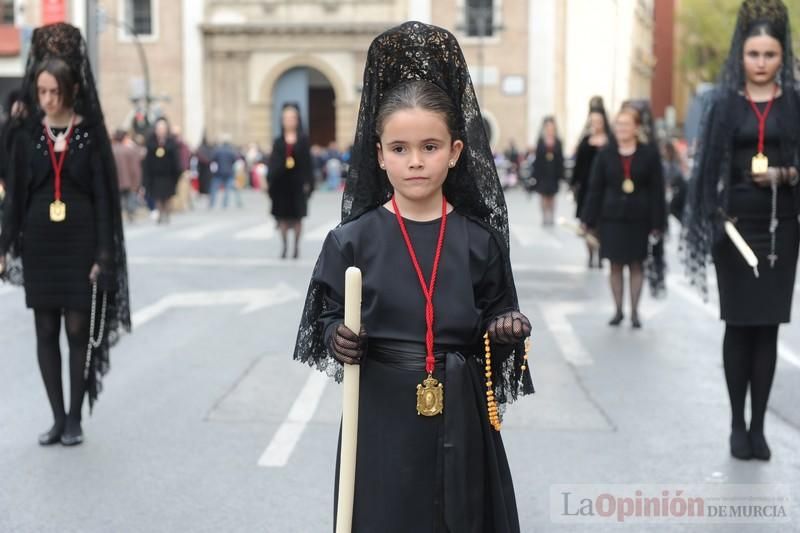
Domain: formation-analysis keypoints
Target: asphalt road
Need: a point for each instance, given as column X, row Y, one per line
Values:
column 206, row 424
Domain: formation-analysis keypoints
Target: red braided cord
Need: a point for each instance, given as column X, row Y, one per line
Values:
column 427, row 290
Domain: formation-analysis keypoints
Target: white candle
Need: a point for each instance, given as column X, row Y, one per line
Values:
column 352, row 377
column 590, row 239
column 742, row 246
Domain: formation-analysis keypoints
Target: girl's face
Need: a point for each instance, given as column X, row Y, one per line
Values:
column 290, row 119
column 550, row 130
column 50, row 98
column 596, row 123
column 416, row 150
column 625, row 128
column 763, row 57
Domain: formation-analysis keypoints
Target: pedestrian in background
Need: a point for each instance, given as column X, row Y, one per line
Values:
column 223, row 161
column 625, row 205
column 128, row 160
column 290, row 177
column 161, row 168
column 548, row 168
column 596, row 136
column 746, row 173
column 415, row 196
column 63, row 216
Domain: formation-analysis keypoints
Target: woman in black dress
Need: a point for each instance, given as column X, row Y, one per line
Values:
column 548, row 168
column 290, row 177
column 161, row 168
column 625, row 205
column 598, row 134
column 64, row 219
column 423, row 186
column 746, row 173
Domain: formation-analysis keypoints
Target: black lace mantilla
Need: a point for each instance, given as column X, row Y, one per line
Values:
column 417, row 51
column 707, row 198
column 65, row 42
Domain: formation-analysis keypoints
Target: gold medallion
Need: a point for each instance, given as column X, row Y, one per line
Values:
column 290, row 162
column 58, row 211
column 549, row 156
column 430, row 397
column 627, row 186
column 160, row 151
column 760, row 164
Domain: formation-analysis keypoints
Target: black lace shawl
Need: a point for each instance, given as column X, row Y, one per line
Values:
column 65, row 42
column 417, row 51
column 707, row 199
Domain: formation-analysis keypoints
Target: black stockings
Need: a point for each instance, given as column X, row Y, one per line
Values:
column 48, row 329
column 284, row 226
column 749, row 356
column 636, row 279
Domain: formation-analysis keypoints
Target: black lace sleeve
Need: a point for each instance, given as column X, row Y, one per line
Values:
column 13, row 211
column 594, row 196
column 102, row 211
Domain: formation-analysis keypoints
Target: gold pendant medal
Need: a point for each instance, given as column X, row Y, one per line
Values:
column 430, row 397
column 549, row 156
column 160, row 152
column 627, row 186
column 290, row 162
column 760, row 164
column 58, row 211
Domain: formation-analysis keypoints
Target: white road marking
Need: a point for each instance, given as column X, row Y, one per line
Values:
column 243, row 262
column 556, row 317
column 139, row 231
column 196, row 233
column 285, row 439
column 528, row 235
column 255, row 299
column 262, row 232
column 320, row 232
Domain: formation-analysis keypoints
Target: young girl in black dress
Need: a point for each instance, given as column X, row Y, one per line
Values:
column 63, row 219
column 424, row 218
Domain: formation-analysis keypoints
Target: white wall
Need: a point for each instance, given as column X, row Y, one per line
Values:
column 542, row 27
column 419, row 10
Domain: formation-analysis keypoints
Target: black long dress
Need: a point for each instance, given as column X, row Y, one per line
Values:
column 289, row 188
column 57, row 256
column 415, row 473
column 745, row 299
column 548, row 168
column 625, row 220
column 161, row 169
column 584, row 157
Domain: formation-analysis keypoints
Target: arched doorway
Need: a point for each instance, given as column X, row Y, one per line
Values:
column 314, row 94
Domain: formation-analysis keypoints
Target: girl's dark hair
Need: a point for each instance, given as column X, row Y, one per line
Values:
column 64, row 76
column 418, row 94
column 765, row 27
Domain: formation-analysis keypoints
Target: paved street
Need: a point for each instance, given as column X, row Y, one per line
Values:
column 206, row 424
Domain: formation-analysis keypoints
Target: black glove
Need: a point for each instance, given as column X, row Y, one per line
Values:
column 509, row 328
column 346, row 346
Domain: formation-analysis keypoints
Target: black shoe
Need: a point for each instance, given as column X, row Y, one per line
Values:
column 758, row 445
column 617, row 319
column 53, row 436
column 283, row 253
column 740, row 444
column 635, row 324
column 73, row 434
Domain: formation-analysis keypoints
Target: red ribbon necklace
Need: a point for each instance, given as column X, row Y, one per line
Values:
column 762, row 117
column 58, row 164
column 427, row 288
